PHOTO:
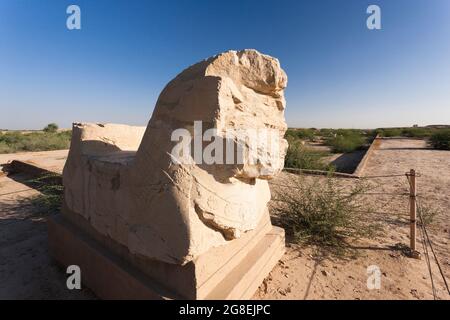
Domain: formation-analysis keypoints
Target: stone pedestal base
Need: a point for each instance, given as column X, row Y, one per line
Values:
column 227, row 272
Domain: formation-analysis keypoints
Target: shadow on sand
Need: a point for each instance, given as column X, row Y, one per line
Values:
column 348, row 162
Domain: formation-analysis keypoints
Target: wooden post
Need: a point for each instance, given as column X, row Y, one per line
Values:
column 413, row 212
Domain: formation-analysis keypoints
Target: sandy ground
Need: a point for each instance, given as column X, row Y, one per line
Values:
column 300, row 275
column 50, row 160
column 26, row 271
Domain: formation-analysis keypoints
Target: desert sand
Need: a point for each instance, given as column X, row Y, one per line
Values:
column 26, row 271
column 300, row 275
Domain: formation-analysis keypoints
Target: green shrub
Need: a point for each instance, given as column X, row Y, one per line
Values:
column 320, row 212
column 390, row 132
column 348, row 142
column 416, row 132
column 349, row 132
column 307, row 134
column 304, row 134
column 11, row 142
column 290, row 134
column 300, row 157
column 5, row 148
column 440, row 140
column 51, row 190
column 327, row 133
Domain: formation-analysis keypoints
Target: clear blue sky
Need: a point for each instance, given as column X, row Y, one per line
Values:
column 340, row 73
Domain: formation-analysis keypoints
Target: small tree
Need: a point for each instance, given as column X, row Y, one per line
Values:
column 51, row 127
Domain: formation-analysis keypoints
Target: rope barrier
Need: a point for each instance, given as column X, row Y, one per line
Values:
column 384, row 176
column 367, row 193
column 426, row 241
column 431, row 247
column 427, row 259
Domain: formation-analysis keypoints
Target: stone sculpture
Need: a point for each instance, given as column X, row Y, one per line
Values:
column 125, row 188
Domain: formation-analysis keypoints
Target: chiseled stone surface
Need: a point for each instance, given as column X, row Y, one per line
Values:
column 126, row 184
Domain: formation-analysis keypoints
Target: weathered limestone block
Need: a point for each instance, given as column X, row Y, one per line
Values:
column 128, row 186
